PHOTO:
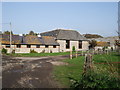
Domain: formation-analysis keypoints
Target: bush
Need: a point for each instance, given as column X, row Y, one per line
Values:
column 97, row 80
column 33, row 51
column 13, row 51
column 43, row 51
column 111, row 48
column 73, row 48
column 4, row 51
column 50, row 51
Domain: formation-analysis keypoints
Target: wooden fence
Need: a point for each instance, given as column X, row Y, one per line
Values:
column 93, row 52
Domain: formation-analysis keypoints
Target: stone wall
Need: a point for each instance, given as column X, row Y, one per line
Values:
column 62, row 43
column 24, row 49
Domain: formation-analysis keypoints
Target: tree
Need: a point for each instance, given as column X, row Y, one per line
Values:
column 92, row 36
column 92, row 43
column 8, row 32
column 31, row 33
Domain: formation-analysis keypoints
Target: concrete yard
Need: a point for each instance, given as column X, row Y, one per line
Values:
column 30, row 72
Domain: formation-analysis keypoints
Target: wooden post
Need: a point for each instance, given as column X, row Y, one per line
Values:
column 107, row 52
column 82, row 53
column 76, row 54
column 70, row 54
column 87, row 62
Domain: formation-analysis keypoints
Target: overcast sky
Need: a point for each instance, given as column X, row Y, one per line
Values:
column 88, row 17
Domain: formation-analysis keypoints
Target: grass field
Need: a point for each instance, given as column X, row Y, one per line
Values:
column 66, row 74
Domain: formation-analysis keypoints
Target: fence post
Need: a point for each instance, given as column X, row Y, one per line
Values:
column 70, row 54
column 87, row 63
column 107, row 52
column 82, row 52
column 76, row 54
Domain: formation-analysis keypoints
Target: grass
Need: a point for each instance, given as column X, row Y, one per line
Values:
column 39, row 54
column 73, row 71
column 64, row 74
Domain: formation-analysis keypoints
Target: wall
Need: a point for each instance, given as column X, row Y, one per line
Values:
column 62, row 43
column 24, row 49
column 85, row 45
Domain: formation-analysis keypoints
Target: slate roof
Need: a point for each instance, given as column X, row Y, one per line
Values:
column 102, row 43
column 29, row 39
column 48, row 40
column 107, row 39
column 62, row 34
column 5, row 39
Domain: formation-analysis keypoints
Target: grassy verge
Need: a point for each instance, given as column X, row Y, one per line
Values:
column 39, row 54
column 66, row 74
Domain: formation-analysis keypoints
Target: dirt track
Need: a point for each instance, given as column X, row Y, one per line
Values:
column 29, row 72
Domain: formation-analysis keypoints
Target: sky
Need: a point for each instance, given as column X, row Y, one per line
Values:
column 85, row 17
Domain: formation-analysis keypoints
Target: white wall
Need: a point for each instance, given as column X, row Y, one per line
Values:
column 24, row 49
column 62, row 43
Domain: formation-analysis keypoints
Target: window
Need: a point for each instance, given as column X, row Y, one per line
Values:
column 28, row 46
column 7, row 46
column 67, row 44
column 18, row 46
column 37, row 46
column 46, row 46
column 54, row 46
column 80, row 44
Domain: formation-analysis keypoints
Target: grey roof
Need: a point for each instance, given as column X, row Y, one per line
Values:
column 107, row 39
column 62, row 34
column 5, row 38
column 49, row 40
column 29, row 39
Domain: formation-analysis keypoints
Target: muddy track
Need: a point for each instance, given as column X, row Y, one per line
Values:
column 29, row 72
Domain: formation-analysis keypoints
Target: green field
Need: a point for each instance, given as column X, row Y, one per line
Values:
column 68, row 73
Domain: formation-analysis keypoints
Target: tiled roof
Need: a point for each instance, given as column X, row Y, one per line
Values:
column 64, row 34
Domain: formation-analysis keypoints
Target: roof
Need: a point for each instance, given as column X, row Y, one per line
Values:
column 29, row 39
column 62, row 34
column 107, row 39
column 102, row 44
column 5, row 39
column 48, row 40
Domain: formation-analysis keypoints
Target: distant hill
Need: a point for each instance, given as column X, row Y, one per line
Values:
column 92, row 36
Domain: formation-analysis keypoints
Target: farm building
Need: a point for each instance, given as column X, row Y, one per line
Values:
column 106, row 42
column 67, row 39
column 49, row 42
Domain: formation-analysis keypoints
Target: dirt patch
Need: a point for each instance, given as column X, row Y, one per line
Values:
column 30, row 72
column 58, row 63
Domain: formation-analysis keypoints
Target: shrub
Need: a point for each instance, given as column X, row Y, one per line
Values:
column 104, row 48
column 97, row 80
column 43, row 51
column 13, row 51
column 111, row 48
column 73, row 48
column 4, row 51
column 50, row 51
column 33, row 51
